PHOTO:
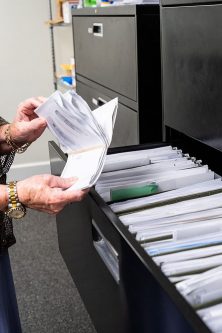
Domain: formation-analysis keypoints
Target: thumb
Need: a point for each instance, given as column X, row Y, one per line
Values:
column 37, row 123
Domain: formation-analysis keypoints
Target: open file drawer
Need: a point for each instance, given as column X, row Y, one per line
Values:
column 81, row 227
column 121, row 286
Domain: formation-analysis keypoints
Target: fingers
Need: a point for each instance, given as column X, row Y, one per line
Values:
column 64, row 184
column 48, row 193
column 59, row 182
column 56, row 200
column 25, row 110
column 30, row 104
column 59, row 197
column 72, row 195
column 34, row 129
column 37, row 124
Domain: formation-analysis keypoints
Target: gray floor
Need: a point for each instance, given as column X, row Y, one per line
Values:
column 47, row 297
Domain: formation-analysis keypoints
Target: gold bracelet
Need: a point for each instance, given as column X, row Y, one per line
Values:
column 12, row 144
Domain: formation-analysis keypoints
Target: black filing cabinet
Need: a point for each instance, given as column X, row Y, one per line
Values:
column 117, row 54
column 123, row 289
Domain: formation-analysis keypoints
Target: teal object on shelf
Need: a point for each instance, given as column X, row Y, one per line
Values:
column 133, row 192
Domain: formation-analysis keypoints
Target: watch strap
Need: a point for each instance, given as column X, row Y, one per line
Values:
column 15, row 208
column 12, row 195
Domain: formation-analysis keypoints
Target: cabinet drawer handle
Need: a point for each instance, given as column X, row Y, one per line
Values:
column 106, row 252
column 98, row 29
column 99, row 101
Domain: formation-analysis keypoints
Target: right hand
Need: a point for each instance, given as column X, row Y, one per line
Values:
column 48, row 193
column 26, row 109
column 27, row 126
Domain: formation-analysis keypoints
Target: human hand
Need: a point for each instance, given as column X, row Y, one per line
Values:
column 27, row 126
column 27, row 132
column 48, row 193
column 25, row 110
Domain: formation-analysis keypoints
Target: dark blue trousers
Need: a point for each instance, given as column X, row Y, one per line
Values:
column 9, row 316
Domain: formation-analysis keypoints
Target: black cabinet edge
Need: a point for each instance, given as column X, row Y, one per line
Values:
column 124, row 10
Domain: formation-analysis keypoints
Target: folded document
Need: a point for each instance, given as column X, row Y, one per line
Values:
column 84, row 135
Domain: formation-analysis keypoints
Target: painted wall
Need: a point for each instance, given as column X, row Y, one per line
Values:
column 26, row 69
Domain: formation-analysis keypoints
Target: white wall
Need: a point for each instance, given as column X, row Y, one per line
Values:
column 26, row 70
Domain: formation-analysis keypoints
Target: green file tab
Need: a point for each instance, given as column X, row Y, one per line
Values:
column 133, row 192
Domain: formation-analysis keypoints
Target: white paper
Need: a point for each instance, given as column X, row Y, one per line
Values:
column 184, row 267
column 189, row 254
column 182, row 218
column 186, row 287
column 166, row 180
column 130, row 205
column 161, row 248
column 211, row 312
column 78, row 164
column 125, row 161
column 170, row 165
column 181, row 231
column 215, row 324
column 132, row 159
column 209, row 293
column 176, row 209
column 176, row 279
column 83, row 134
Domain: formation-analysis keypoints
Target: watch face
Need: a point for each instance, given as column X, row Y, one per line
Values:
column 16, row 213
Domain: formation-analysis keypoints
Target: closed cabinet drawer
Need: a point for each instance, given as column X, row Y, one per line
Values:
column 126, row 126
column 105, row 52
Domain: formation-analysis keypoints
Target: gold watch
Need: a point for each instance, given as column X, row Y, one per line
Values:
column 15, row 209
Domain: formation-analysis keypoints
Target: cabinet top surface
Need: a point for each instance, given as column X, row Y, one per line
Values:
column 177, row 3
column 125, row 10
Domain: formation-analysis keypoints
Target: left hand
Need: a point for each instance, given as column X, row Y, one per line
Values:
column 27, row 126
column 48, row 193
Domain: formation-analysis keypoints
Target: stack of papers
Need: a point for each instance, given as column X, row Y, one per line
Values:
column 84, row 135
column 179, row 224
column 145, row 172
column 188, row 254
column 191, row 266
column 203, row 290
column 205, row 188
column 176, row 210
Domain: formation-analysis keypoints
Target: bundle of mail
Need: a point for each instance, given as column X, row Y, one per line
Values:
column 84, row 135
column 172, row 204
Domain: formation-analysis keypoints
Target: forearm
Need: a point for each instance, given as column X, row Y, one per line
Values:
column 3, row 197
